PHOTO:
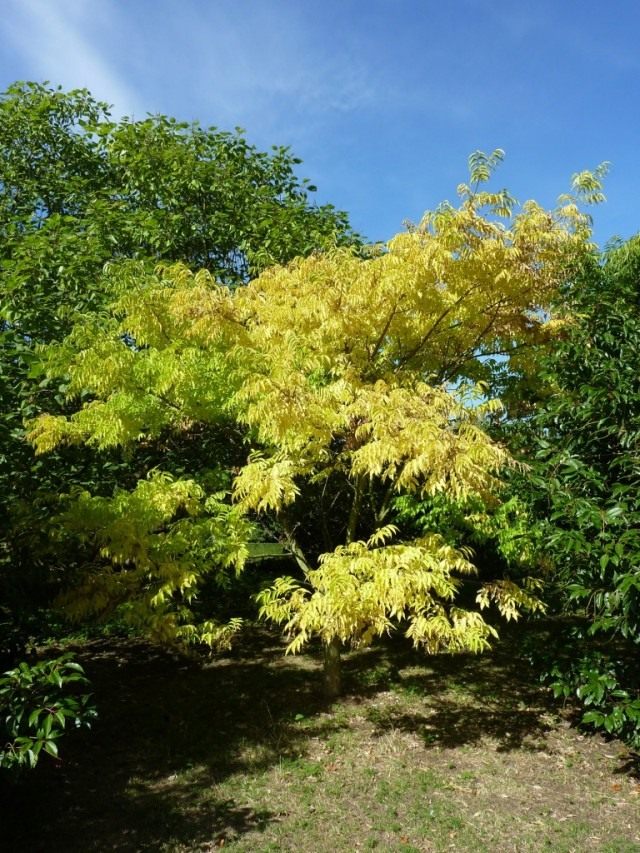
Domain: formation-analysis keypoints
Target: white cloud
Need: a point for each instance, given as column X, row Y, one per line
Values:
column 284, row 70
column 271, row 62
column 57, row 40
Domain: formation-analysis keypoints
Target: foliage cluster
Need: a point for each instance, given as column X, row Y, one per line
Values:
column 78, row 190
column 586, row 486
column 352, row 379
column 36, row 703
column 604, row 684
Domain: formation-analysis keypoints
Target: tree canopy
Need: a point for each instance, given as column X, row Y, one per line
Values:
column 586, row 486
column 78, row 190
column 351, row 379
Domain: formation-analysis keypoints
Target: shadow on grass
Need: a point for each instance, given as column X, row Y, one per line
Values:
column 629, row 765
column 171, row 732
column 456, row 700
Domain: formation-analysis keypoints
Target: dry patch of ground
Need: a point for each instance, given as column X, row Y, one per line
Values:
column 447, row 753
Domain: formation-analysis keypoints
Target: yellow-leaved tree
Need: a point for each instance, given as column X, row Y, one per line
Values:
column 353, row 379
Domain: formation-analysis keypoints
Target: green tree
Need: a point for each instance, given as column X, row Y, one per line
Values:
column 587, row 486
column 78, row 190
column 352, row 380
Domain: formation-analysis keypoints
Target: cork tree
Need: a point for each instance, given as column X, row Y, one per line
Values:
column 347, row 379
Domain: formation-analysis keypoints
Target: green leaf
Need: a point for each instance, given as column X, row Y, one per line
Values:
column 51, row 747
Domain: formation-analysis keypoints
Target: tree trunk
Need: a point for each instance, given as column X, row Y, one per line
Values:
column 332, row 669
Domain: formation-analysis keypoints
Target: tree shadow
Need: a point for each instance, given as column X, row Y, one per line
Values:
column 169, row 731
column 456, row 700
column 629, row 765
column 172, row 730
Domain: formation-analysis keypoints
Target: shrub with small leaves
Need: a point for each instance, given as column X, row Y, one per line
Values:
column 36, row 704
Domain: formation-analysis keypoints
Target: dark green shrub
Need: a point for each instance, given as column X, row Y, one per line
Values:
column 36, row 704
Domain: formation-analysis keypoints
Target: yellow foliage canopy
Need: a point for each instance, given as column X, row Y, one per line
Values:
column 360, row 371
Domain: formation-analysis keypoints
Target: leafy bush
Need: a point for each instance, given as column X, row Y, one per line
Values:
column 587, row 482
column 602, row 679
column 352, row 378
column 36, row 703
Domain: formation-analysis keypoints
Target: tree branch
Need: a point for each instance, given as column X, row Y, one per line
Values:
column 383, row 334
column 296, row 551
column 354, row 513
column 424, row 340
column 384, row 504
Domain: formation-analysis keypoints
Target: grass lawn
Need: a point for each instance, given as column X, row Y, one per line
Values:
column 241, row 753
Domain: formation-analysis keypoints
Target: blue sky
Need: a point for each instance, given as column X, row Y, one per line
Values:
column 382, row 99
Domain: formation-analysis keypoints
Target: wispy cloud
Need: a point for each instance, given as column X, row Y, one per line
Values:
column 287, row 71
column 269, row 64
column 281, row 69
column 58, row 41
